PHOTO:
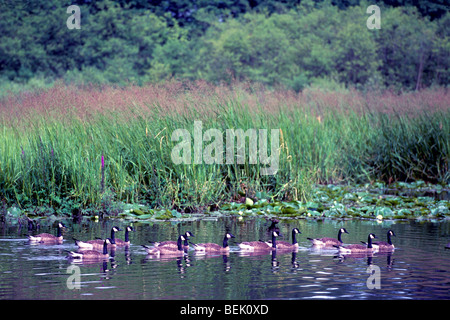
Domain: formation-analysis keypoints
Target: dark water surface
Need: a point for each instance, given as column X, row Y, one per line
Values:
column 418, row 269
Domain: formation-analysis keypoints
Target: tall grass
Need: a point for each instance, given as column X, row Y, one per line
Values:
column 52, row 142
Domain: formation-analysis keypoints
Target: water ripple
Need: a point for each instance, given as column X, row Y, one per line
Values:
column 418, row 269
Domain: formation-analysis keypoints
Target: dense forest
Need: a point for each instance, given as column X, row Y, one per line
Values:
column 290, row 43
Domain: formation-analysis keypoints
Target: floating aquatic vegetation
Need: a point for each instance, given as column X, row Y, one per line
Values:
column 143, row 213
column 328, row 201
column 369, row 201
column 361, row 201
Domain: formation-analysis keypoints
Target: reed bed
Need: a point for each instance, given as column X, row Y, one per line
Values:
column 90, row 146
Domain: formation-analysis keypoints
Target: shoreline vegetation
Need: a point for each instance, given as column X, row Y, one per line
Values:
column 104, row 150
column 90, row 101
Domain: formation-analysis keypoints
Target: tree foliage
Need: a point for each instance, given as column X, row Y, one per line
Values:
column 292, row 43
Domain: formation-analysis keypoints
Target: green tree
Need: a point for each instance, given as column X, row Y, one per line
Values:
column 355, row 47
column 34, row 42
column 230, row 51
column 439, row 71
column 405, row 43
column 313, row 37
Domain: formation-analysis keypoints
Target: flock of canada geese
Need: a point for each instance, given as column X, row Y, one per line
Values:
column 97, row 249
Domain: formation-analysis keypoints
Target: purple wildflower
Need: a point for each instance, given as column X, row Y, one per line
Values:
column 23, row 154
column 102, row 182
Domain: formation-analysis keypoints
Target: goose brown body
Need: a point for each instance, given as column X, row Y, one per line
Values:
column 174, row 244
column 92, row 254
column 329, row 242
column 385, row 246
column 213, row 247
column 284, row 245
column 126, row 242
column 359, row 248
column 47, row 237
column 167, row 250
column 97, row 244
column 259, row 245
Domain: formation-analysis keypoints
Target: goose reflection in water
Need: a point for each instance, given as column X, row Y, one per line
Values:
column 369, row 256
column 275, row 264
column 182, row 264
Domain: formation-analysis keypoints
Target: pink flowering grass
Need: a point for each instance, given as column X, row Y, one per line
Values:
column 84, row 102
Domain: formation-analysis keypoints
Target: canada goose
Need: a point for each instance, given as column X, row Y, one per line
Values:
column 167, row 250
column 212, row 247
column 98, row 243
column 358, row 248
column 382, row 245
column 174, row 244
column 126, row 242
column 329, row 242
column 47, row 237
column 92, row 254
column 260, row 245
column 286, row 245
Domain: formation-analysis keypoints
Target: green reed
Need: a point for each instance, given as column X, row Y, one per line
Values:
column 57, row 162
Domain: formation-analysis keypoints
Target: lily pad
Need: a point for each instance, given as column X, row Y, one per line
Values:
column 288, row 210
column 137, row 212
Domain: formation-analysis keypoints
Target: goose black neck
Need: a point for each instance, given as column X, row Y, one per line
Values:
column 389, row 238
column 113, row 235
column 225, row 242
column 339, row 236
column 59, row 234
column 294, row 239
column 369, row 242
column 274, row 241
column 126, row 235
column 180, row 242
column 105, row 248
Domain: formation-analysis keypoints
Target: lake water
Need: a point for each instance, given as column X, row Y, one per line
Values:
column 418, row 269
